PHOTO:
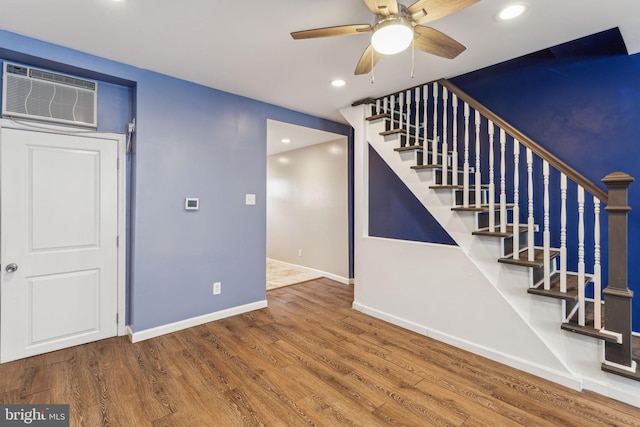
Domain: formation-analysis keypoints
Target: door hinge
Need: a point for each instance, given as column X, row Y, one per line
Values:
column 117, row 241
column 118, row 163
column 117, row 317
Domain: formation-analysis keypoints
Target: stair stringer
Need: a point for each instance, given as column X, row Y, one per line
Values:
column 576, row 356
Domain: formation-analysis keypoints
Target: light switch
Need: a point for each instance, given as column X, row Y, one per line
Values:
column 250, row 199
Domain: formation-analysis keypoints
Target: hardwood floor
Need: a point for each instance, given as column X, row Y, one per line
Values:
column 308, row 359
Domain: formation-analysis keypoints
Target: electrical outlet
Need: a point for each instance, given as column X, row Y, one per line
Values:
column 299, row 252
column 217, row 288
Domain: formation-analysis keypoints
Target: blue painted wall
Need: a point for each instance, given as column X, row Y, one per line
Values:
column 581, row 101
column 394, row 212
column 190, row 141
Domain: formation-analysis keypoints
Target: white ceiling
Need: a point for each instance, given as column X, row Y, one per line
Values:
column 298, row 136
column 245, row 47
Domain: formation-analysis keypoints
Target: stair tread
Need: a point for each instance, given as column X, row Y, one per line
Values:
column 572, row 324
column 456, row 187
column 409, row 148
column 538, row 256
column 631, row 375
column 430, row 166
column 392, row 131
column 554, row 292
column 482, row 208
column 446, row 187
column 635, row 351
column 588, row 314
column 378, row 116
column 498, row 233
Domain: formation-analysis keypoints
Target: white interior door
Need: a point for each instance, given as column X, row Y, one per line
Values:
column 58, row 230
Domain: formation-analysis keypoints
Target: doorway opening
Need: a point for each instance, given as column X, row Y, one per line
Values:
column 307, row 205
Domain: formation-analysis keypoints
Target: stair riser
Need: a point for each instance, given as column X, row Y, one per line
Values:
column 449, row 176
column 459, row 197
column 508, row 244
column 537, row 273
column 482, row 219
column 420, row 157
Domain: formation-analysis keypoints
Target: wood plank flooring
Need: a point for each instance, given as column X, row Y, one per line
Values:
column 308, row 359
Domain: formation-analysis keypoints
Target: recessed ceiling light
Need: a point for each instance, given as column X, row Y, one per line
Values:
column 511, row 11
column 338, row 83
column 285, row 140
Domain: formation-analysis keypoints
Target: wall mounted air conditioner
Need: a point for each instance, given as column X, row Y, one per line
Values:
column 37, row 94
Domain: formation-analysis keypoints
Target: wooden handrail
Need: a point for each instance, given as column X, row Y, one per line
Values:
column 529, row 143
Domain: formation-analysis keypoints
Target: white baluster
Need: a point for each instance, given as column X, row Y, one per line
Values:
column 492, row 186
column 434, row 142
column 581, row 273
column 465, row 167
column 530, row 247
column 563, row 233
column 597, row 273
column 385, row 105
column 378, row 106
column 478, row 181
column 416, row 114
column 454, row 141
column 393, row 111
column 546, row 234
column 401, row 121
column 503, row 186
column 445, row 144
column 516, row 199
column 425, row 141
column 408, row 109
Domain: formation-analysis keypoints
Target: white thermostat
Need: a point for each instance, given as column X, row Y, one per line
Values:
column 191, row 204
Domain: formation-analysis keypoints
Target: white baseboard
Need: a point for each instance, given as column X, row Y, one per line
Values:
column 343, row 280
column 194, row 321
column 562, row 378
column 618, row 388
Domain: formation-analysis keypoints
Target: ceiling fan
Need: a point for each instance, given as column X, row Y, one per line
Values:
column 399, row 25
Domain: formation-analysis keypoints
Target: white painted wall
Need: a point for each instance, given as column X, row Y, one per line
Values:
column 307, row 208
column 460, row 295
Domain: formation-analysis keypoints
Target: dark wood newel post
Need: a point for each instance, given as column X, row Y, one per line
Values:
column 617, row 294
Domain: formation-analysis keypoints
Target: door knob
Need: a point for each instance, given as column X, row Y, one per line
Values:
column 11, row 267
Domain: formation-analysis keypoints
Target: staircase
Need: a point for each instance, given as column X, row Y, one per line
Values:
column 530, row 215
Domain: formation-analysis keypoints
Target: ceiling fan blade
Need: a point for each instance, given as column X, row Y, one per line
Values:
column 342, row 30
column 365, row 64
column 424, row 11
column 436, row 43
column 382, row 7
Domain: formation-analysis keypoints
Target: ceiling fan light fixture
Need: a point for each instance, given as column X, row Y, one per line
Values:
column 392, row 35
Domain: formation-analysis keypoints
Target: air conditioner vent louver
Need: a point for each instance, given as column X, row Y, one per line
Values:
column 43, row 95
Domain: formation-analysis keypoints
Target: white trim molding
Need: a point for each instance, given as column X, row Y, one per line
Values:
column 194, row 321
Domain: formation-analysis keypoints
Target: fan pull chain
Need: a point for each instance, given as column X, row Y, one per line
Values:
column 373, row 79
column 413, row 51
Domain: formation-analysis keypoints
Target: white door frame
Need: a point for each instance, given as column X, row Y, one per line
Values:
column 122, row 208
